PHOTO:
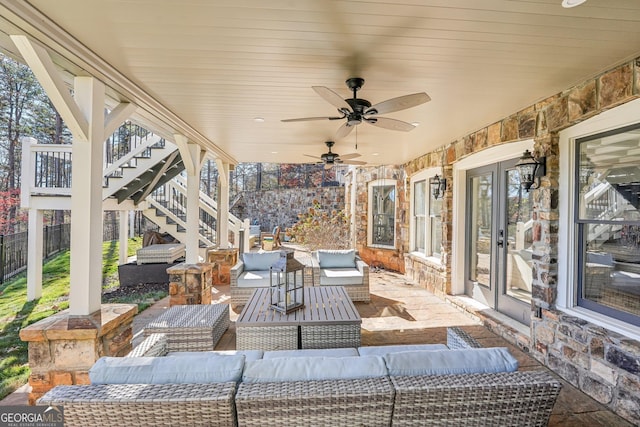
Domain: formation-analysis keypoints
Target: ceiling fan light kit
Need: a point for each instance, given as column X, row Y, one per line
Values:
column 357, row 110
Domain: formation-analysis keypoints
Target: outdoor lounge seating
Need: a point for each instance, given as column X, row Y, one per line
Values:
column 342, row 268
column 374, row 386
column 249, row 273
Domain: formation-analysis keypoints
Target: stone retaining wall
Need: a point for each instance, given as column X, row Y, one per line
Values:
column 272, row 208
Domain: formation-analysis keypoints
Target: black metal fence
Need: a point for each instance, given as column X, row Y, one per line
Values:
column 56, row 238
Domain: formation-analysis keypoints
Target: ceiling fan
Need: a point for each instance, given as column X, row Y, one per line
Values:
column 357, row 110
column 329, row 159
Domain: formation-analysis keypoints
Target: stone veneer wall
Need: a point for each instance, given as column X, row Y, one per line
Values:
column 600, row 362
column 391, row 259
column 272, row 208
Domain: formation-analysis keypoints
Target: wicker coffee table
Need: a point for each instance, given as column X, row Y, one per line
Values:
column 191, row 327
column 328, row 320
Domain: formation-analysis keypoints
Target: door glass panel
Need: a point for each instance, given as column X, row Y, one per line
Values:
column 519, row 238
column 480, row 229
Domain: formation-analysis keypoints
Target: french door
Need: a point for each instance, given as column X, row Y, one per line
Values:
column 499, row 240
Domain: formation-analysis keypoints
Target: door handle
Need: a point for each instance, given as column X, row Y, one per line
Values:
column 500, row 243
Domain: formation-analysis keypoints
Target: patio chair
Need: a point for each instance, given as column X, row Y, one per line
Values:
column 342, row 268
column 270, row 241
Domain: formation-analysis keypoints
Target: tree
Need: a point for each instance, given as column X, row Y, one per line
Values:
column 25, row 110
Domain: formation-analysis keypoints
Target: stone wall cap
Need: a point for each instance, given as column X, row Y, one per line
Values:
column 190, row 268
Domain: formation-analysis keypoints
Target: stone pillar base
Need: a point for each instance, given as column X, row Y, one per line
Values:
column 190, row 283
column 224, row 259
column 62, row 348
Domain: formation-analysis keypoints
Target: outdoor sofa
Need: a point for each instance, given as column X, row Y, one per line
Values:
column 342, row 268
column 374, row 386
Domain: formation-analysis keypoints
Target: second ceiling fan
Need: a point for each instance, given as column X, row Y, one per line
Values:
column 329, row 159
column 357, row 110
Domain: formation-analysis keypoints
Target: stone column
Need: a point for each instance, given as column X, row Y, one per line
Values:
column 62, row 348
column 224, row 260
column 190, row 283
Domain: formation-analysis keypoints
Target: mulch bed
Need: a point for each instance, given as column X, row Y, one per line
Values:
column 132, row 290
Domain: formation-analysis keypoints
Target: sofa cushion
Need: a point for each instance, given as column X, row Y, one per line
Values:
column 440, row 362
column 254, row 279
column 248, row 354
column 340, row 276
column 381, row 350
column 312, row 352
column 204, row 368
column 339, row 258
column 313, row 368
column 259, row 261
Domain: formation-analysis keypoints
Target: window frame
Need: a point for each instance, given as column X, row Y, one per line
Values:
column 566, row 301
column 428, row 251
column 370, row 188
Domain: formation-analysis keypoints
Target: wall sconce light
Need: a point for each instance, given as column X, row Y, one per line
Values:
column 438, row 186
column 531, row 169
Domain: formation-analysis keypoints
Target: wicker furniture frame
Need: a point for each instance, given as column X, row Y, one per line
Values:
column 328, row 320
column 501, row 399
column 145, row 404
column 161, row 253
column 362, row 402
column 356, row 292
column 191, row 327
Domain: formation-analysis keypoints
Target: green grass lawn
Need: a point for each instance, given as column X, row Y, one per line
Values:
column 16, row 312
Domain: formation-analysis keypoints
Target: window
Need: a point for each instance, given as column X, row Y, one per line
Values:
column 607, row 223
column 382, row 202
column 426, row 226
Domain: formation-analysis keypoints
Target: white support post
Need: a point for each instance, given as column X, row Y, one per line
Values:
column 222, row 238
column 124, row 236
column 34, row 254
column 193, row 158
column 86, row 201
column 246, row 225
column 132, row 225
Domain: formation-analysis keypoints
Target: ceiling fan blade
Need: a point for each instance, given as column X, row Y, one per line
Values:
column 393, row 124
column 354, row 162
column 313, row 157
column 343, row 131
column 305, row 119
column 349, row 156
column 399, row 103
column 331, row 97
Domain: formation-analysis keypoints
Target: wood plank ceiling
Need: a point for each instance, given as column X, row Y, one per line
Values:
column 218, row 65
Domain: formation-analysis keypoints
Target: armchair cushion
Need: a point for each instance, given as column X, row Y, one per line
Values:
column 340, row 276
column 313, row 368
column 337, row 258
column 259, row 261
column 200, row 369
column 441, row 362
column 254, row 279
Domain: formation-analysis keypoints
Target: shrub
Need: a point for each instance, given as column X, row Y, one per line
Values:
column 320, row 229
